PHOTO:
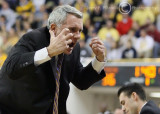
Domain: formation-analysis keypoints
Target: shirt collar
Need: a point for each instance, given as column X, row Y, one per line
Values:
column 142, row 107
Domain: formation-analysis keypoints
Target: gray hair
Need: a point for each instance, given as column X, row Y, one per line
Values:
column 59, row 14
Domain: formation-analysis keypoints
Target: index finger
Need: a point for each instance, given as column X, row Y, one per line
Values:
column 65, row 31
column 96, row 41
column 95, row 38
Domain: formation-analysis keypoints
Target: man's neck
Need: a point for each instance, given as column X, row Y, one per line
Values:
column 141, row 104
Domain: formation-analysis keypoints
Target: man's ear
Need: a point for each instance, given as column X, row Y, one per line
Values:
column 134, row 96
column 53, row 27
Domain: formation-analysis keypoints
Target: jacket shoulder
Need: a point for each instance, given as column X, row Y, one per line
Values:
column 150, row 108
column 38, row 38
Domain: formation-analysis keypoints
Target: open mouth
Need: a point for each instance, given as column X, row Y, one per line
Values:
column 71, row 45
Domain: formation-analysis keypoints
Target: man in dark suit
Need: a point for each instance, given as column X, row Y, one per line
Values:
column 133, row 100
column 28, row 78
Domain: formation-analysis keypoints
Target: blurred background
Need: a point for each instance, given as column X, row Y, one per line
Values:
column 130, row 30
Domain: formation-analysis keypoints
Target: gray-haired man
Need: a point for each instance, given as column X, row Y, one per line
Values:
column 32, row 80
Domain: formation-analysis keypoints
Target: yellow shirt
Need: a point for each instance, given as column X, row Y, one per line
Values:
column 141, row 16
column 26, row 9
column 81, row 6
column 103, row 32
column 93, row 4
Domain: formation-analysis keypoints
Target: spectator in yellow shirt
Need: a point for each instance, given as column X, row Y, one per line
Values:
column 25, row 7
column 82, row 6
column 94, row 3
column 108, row 30
column 142, row 14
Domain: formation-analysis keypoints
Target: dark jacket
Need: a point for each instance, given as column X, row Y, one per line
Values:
column 27, row 89
column 150, row 108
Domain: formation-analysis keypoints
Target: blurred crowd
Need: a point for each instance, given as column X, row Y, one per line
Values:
column 131, row 35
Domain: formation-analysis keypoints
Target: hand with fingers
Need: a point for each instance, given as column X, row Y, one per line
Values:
column 60, row 43
column 98, row 48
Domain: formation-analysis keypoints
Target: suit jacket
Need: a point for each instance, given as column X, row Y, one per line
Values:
column 29, row 89
column 150, row 108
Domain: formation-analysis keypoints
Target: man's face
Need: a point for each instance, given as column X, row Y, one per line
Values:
column 129, row 105
column 143, row 33
column 75, row 26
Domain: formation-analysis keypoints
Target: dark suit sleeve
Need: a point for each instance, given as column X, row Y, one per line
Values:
column 84, row 77
column 20, row 60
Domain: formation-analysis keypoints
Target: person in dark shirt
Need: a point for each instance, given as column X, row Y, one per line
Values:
column 132, row 97
column 129, row 52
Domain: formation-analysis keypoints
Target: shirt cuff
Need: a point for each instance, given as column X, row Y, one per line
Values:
column 41, row 56
column 98, row 66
